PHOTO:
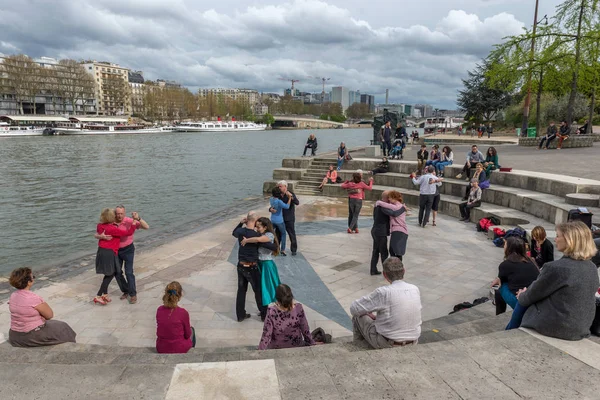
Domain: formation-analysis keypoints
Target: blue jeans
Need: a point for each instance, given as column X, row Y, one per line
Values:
column 517, row 317
column 340, row 163
column 432, row 162
column 442, row 164
column 508, row 296
column 280, row 231
column 126, row 257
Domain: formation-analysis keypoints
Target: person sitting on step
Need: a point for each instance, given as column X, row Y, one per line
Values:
column 548, row 137
column 382, row 168
column 515, row 272
column 311, row 144
column 174, row 334
column 391, row 314
column 563, row 134
column 564, row 294
column 285, row 325
column 434, row 156
column 491, row 161
column 422, row 155
column 331, row 177
column 446, row 158
column 478, row 175
column 542, row 250
column 31, row 318
column 474, row 200
column 473, row 157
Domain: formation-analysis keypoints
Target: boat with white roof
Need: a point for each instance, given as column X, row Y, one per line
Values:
column 219, row 126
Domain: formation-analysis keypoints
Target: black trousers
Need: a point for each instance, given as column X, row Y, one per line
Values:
column 379, row 249
column 379, row 171
column 104, row 286
column 465, row 208
column 312, row 149
column 467, row 170
column 290, row 228
column 245, row 275
column 425, row 204
column 387, row 147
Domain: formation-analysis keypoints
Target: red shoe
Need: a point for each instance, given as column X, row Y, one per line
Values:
column 99, row 300
column 106, row 298
column 356, row 230
column 349, row 230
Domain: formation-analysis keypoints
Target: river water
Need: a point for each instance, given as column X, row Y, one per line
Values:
column 52, row 189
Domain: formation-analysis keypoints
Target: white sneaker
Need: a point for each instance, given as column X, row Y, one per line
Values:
column 458, row 176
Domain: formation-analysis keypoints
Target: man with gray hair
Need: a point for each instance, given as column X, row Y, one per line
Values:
column 391, row 315
column 247, row 266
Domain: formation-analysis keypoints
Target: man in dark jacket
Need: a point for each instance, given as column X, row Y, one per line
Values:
column 247, row 267
column 549, row 137
column 380, row 231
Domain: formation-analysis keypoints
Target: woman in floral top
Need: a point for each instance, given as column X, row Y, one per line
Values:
column 285, row 324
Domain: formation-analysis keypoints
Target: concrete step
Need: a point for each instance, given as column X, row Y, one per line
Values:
column 551, row 208
column 449, row 206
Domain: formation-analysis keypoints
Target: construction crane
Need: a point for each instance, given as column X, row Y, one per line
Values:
column 323, row 80
column 290, row 80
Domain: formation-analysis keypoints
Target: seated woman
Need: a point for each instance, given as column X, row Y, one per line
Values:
column 174, row 334
column 479, row 175
column 382, row 168
column 311, row 144
column 446, row 158
column 563, row 296
column 31, row 323
column 330, row 178
column 434, row 156
column 285, row 325
column 515, row 272
column 473, row 200
column 542, row 250
column 491, row 161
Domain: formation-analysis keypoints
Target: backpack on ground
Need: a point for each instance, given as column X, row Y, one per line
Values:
column 484, row 224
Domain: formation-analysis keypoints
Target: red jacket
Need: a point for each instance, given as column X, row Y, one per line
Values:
column 116, row 233
column 357, row 190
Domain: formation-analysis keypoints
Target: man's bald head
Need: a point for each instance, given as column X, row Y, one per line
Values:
column 385, row 196
column 251, row 217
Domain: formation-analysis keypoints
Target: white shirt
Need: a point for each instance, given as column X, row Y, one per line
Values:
column 426, row 187
column 398, row 308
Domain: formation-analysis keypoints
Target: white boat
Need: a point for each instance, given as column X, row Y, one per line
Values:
column 7, row 130
column 219, row 126
column 100, row 129
column 436, row 123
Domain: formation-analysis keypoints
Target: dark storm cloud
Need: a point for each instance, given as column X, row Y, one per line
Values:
column 255, row 46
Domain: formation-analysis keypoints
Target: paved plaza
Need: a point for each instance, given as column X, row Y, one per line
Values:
column 450, row 263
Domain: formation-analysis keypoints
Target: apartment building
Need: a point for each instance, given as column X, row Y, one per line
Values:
column 250, row 96
column 136, row 82
column 113, row 93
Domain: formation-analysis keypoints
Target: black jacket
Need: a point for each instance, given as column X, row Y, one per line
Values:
column 547, row 253
column 249, row 252
column 381, row 220
column 290, row 213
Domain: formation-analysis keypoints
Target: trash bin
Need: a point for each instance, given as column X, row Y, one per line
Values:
column 531, row 132
column 518, row 132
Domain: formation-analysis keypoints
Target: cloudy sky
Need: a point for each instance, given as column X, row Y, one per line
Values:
column 420, row 50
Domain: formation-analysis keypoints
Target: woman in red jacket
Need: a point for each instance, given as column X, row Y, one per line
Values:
column 356, row 193
column 107, row 260
column 331, row 177
column 174, row 334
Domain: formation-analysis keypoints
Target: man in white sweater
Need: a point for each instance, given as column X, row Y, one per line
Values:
column 391, row 315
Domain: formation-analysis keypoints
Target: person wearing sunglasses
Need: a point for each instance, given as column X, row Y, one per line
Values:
column 31, row 318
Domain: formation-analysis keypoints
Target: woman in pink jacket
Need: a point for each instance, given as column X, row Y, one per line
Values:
column 356, row 193
column 398, row 228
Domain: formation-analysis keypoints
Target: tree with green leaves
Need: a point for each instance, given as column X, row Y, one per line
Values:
column 479, row 99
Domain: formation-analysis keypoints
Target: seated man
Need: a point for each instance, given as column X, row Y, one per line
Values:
column 583, row 129
column 382, row 168
column 397, row 321
column 563, row 134
column 548, row 137
column 473, row 157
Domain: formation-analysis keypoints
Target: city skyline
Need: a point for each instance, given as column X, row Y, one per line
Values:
column 421, row 60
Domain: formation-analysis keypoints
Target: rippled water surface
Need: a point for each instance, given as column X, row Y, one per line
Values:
column 53, row 188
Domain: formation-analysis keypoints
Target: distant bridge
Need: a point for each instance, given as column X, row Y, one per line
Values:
column 304, row 122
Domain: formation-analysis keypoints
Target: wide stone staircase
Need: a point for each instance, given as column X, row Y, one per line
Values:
column 516, row 198
column 465, row 355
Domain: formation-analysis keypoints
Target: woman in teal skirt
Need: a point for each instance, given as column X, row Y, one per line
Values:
column 268, row 269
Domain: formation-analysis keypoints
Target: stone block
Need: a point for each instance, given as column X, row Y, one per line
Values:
column 296, row 162
column 572, row 142
column 269, row 185
column 288, row 174
column 373, row 151
column 583, row 200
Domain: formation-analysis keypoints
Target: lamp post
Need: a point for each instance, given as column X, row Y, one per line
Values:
column 528, row 97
